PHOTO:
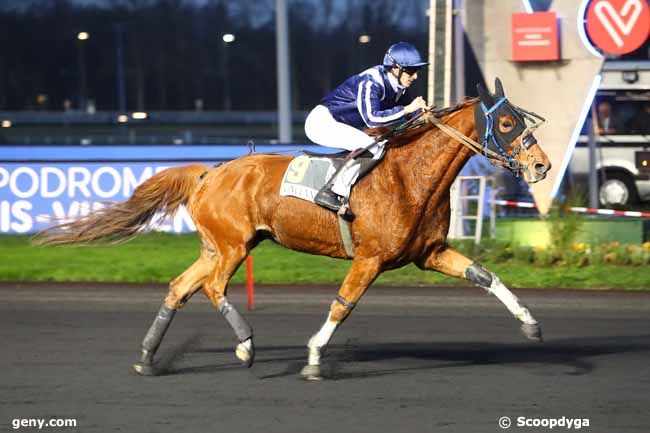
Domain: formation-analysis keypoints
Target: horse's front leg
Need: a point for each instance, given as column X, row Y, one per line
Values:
column 362, row 273
column 450, row 262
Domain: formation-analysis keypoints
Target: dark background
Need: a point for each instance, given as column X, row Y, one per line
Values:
column 173, row 52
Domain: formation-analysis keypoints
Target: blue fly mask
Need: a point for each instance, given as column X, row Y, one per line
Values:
column 502, row 126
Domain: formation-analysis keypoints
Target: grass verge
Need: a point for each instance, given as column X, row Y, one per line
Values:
column 158, row 258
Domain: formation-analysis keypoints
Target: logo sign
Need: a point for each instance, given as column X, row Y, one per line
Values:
column 618, row 26
column 534, row 36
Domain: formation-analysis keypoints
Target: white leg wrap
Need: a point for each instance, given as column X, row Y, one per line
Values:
column 320, row 340
column 510, row 301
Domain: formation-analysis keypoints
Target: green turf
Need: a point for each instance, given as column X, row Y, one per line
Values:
column 159, row 258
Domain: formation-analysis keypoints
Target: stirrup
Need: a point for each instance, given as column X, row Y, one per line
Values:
column 328, row 198
column 334, row 202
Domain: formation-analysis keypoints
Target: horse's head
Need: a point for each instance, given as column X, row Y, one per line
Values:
column 501, row 127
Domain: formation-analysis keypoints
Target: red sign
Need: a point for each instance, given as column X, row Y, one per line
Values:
column 534, row 36
column 618, row 26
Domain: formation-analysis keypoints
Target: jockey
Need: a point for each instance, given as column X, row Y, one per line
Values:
column 375, row 97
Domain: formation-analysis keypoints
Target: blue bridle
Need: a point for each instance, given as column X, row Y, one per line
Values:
column 528, row 140
column 489, row 134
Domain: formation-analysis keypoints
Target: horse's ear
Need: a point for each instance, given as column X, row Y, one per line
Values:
column 498, row 88
column 484, row 95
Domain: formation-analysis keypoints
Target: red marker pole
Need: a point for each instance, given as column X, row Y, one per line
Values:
column 250, row 289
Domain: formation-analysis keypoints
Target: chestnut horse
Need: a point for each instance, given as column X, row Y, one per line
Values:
column 235, row 205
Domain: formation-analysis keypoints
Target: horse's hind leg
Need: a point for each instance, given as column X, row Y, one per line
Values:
column 180, row 290
column 215, row 289
column 450, row 262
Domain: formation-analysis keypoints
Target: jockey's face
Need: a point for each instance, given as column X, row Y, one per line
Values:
column 407, row 77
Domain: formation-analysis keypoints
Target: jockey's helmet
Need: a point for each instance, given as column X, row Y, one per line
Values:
column 403, row 55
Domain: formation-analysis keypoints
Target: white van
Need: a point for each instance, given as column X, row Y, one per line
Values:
column 622, row 105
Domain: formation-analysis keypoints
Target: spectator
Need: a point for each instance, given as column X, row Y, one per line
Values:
column 608, row 122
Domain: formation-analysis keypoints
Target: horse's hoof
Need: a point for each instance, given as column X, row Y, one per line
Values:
column 532, row 331
column 311, row 372
column 245, row 352
column 144, row 369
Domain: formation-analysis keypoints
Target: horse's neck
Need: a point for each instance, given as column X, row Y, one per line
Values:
column 434, row 160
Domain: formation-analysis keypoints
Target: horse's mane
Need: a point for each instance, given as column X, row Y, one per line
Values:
column 410, row 133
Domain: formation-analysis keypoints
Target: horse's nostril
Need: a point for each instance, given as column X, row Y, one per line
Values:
column 540, row 168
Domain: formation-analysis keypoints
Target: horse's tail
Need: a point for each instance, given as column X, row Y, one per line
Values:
column 161, row 195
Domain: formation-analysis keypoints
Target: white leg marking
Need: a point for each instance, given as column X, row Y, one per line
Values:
column 510, row 301
column 320, row 340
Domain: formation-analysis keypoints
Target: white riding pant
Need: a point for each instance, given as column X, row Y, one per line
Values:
column 323, row 129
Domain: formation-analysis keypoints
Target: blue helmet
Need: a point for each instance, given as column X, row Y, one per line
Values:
column 403, row 55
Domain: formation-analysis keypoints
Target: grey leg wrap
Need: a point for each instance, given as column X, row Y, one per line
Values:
column 237, row 322
column 477, row 274
column 346, row 304
column 156, row 333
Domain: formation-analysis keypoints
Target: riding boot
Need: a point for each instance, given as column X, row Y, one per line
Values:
column 328, row 198
column 333, row 201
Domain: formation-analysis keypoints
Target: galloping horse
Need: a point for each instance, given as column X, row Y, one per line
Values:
column 236, row 205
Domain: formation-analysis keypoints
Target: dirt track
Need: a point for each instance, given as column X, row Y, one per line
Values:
column 408, row 360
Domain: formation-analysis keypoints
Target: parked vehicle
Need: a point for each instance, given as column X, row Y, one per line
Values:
column 622, row 113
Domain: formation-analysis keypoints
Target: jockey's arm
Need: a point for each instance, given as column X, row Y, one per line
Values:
column 368, row 103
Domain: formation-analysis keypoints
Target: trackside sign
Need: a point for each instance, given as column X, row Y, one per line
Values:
column 534, row 36
column 32, row 195
column 40, row 184
column 618, row 26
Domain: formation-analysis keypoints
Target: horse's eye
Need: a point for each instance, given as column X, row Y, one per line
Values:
column 506, row 124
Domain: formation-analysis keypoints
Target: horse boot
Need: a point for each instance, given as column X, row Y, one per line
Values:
column 151, row 342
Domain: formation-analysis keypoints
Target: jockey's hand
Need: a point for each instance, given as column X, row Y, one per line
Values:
column 418, row 104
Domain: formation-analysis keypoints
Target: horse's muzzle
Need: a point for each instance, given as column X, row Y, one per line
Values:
column 536, row 171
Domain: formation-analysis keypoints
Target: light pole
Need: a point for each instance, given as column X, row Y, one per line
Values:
column 284, row 72
column 228, row 39
column 82, row 37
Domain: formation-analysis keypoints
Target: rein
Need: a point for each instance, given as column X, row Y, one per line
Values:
column 413, row 122
column 499, row 159
column 472, row 145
